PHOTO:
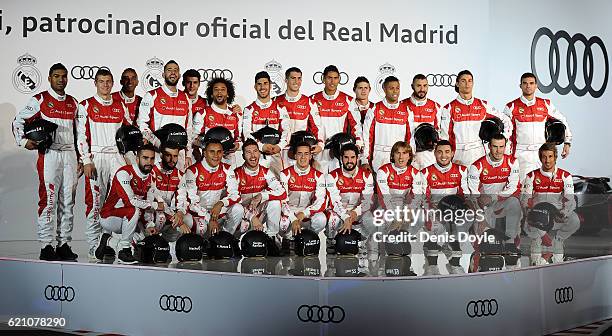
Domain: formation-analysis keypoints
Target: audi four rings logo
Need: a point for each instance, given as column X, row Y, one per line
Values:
column 59, row 293
column 210, row 74
column 441, row 80
column 564, row 295
column 482, row 308
column 317, row 77
column 322, row 314
column 571, row 59
column 175, row 303
column 85, row 71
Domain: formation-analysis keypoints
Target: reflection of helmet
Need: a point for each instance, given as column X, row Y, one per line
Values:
column 222, row 265
column 267, row 135
column 307, row 243
column 42, row 131
column 425, row 137
column 554, row 131
column 493, row 246
column 336, row 142
column 253, row 244
column 347, row 243
column 347, row 266
column 490, row 127
column 172, row 135
column 542, row 216
column 189, row 247
column 221, row 134
column 452, row 203
column 222, row 245
column 398, row 266
column 306, row 266
column 128, row 139
column 153, row 249
column 257, row 266
column 398, row 248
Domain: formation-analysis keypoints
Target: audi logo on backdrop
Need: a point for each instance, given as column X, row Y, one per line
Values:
column 580, row 68
column 85, row 71
column 321, row 314
column 441, row 80
column 59, row 293
column 210, row 74
column 564, row 295
column 175, row 303
column 482, row 308
column 317, row 77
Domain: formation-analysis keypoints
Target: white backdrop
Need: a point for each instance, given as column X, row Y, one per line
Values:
column 491, row 38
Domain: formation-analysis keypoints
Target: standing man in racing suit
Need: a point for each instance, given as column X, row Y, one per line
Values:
column 386, row 123
column 166, row 105
column 260, row 192
column 98, row 120
column 265, row 112
column 57, row 167
column 422, row 110
column 362, row 102
column 528, row 115
column 337, row 116
column 208, row 190
column 460, row 121
column 553, row 185
column 127, row 94
column 303, row 113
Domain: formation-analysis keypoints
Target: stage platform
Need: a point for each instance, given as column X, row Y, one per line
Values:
column 328, row 295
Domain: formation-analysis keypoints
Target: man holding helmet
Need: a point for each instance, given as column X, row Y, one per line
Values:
column 529, row 115
column 553, row 185
column 57, row 165
column 98, row 120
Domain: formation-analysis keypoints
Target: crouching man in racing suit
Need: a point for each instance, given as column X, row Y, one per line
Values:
column 260, row 194
column 207, row 191
column 553, row 185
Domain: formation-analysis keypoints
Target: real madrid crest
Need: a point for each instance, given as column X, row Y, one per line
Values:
column 277, row 85
column 292, row 179
column 163, row 100
column 537, row 181
column 485, row 172
column 26, row 77
column 434, row 177
column 385, row 71
column 153, row 76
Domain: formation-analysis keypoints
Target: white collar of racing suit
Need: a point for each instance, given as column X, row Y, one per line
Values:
column 293, row 99
column 332, row 97
column 549, row 174
column 443, row 169
column 126, row 98
column 170, row 92
column 209, row 168
column 398, row 169
column 138, row 171
column 527, row 101
column 220, row 110
column 494, row 163
column 465, row 102
column 301, row 172
column 251, row 172
column 56, row 96
column 389, row 105
column 418, row 102
column 103, row 101
column 262, row 104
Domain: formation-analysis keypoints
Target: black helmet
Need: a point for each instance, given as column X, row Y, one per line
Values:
column 554, row 131
column 172, row 135
column 221, row 134
column 490, row 127
column 398, row 266
column 222, row 245
column 336, row 142
column 189, row 247
column 153, row 249
column 267, row 135
column 307, row 243
column 128, row 139
column 495, row 246
column 452, row 203
column 348, row 243
column 302, row 136
column 542, row 216
column 398, row 248
column 488, row 263
column 425, row 137
column 253, row 244
column 42, row 131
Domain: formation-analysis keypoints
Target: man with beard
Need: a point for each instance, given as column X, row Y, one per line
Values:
column 98, row 120
column 529, row 114
column 351, row 191
column 302, row 111
column 208, row 190
column 553, row 185
column 132, row 192
column 305, row 189
column 220, row 94
column 460, row 121
column 167, row 222
column 386, row 123
column 127, row 94
column 260, row 193
column 423, row 110
column 336, row 116
column 166, row 105
column 361, row 103
column 265, row 112
column 57, row 167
